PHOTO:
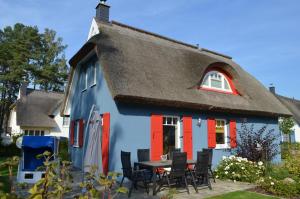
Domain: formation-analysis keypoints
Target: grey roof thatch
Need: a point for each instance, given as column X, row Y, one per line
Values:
column 35, row 109
column 293, row 105
column 147, row 68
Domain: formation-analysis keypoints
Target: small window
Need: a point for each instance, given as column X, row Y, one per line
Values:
column 76, row 134
column 221, row 134
column 26, row 132
column 66, row 120
column 31, row 132
column 42, row 133
column 28, row 176
column 37, row 133
column 84, row 77
column 93, row 75
column 216, row 80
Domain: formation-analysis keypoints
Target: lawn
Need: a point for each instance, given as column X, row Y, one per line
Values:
column 242, row 195
column 4, row 181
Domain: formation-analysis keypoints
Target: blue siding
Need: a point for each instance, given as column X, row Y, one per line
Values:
column 130, row 124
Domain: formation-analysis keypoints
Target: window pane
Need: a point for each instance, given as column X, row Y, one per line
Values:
column 205, row 81
column 42, row 133
column 164, row 120
column 220, row 138
column 169, row 120
column 31, row 132
column 226, row 85
column 174, row 120
column 216, row 83
column 66, row 120
column 26, row 132
column 37, row 133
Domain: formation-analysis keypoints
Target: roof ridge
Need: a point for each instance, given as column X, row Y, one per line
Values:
column 44, row 91
column 154, row 34
column 288, row 98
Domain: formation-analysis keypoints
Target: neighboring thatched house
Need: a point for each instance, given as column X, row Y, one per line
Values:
column 37, row 112
column 293, row 105
column 161, row 94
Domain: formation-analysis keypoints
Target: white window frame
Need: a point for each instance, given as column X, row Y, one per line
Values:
column 34, row 132
column 95, row 64
column 63, row 122
column 178, row 137
column 223, row 79
column 226, row 144
column 76, row 142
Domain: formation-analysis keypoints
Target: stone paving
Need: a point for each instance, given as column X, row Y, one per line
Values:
column 218, row 188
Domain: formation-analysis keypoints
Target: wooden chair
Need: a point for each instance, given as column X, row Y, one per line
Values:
column 134, row 176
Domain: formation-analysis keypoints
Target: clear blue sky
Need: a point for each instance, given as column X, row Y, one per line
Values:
column 263, row 36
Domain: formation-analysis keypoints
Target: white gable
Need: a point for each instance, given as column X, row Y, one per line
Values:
column 93, row 30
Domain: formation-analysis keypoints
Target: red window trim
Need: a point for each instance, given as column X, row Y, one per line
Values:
column 227, row 76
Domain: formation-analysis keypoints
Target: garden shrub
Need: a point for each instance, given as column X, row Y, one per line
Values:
column 239, row 169
column 9, row 150
column 257, row 145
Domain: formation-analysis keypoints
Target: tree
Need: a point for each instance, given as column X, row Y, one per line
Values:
column 286, row 125
column 31, row 56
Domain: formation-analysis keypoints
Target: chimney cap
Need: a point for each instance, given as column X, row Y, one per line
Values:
column 102, row 3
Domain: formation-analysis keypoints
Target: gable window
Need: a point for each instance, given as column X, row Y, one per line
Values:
column 66, row 120
column 216, row 80
column 221, row 134
column 93, row 75
column 84, row 78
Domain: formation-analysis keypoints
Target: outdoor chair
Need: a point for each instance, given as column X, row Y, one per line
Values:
column 211, row 173
column 143, row 155
column 200, row 172
column 134, row 176
column 171, row 158
column 178, row 174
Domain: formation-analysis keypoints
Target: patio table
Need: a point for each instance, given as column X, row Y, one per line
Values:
column 154, row 165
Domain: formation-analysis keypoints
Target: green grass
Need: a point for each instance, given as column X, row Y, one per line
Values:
column 4, row 179
column 242, row 195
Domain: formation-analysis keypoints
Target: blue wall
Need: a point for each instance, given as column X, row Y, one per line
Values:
column 130, row 124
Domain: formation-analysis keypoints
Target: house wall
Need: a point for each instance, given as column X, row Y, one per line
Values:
column 61, row 130
column 297, row 133
column 12, row 123
column 130, row 124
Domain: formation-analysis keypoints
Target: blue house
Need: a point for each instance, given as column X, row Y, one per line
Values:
column 159, row 93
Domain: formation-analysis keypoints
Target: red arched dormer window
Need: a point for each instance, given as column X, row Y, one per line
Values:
column 215, row 80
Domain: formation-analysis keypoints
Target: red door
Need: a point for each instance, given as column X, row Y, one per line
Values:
column 156, row 136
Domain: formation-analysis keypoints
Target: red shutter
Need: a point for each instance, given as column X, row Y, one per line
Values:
column 232, row 129
column 72, row 127
column 188, row 136
column 81, row 132
column 105, row 142
column 156, row 137
column 211, row 132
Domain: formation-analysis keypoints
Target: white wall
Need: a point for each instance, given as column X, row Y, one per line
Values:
column 12, row 123
column 297, row 132
column 60, row 130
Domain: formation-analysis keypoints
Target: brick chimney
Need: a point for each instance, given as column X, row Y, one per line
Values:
column 272, row 89
column 102, row 11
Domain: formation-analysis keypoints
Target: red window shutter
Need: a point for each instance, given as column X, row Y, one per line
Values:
column 188, row 136
column 232, row 129
column 81, row 132
column 72, row 127
column 211, row 132
column 105, row 142
column 156, row 136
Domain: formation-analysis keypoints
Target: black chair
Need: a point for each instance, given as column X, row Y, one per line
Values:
column 174, row 151
column 134, row 176
column 177, row 173
column 200, row 172
column 143, row 155
column 211, row 173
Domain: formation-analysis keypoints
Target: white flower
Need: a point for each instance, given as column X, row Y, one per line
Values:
column 224, row 157
column 260, row 163
column 231, row 157
column 234, row 181
column 226, row 172
column 272, row 183
column 233, row 172
column 231, row 164
column 227, row 167
column 216, row 170
column 243, row 168
column 270, row 177
column 217, row 177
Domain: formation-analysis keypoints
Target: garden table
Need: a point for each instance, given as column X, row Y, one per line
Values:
column 154, row 165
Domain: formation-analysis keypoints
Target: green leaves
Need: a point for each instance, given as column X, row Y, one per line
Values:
column 286, row 125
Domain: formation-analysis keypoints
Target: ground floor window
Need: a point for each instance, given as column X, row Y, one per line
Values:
column 34, row 132
column 221, row 134
column 66, row 120
column 171, row 134
column 76, row 134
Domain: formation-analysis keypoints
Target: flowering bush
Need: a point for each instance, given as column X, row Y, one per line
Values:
column 239, row 169
column 287, row 187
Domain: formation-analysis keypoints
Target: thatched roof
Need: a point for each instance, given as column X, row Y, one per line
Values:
column 147, row 68
column 293, row 105
column 36, row 107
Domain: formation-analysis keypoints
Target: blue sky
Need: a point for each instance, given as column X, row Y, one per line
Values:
column 263, row 36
